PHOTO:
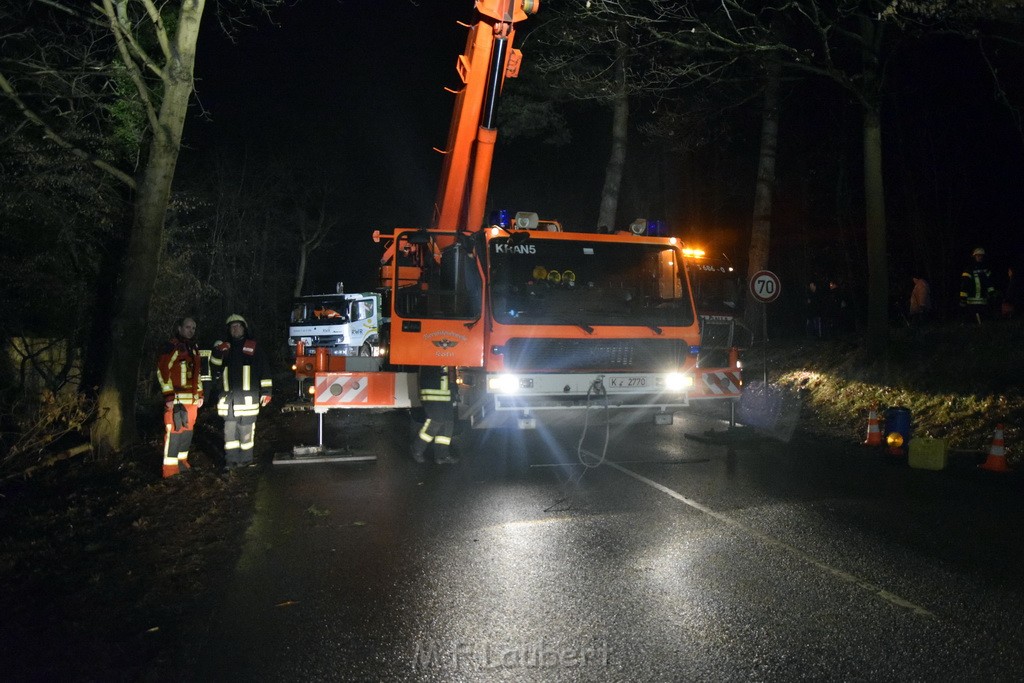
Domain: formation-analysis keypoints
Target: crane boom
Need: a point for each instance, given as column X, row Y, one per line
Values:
column 487, row 61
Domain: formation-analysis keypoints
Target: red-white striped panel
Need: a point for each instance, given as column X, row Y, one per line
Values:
column 722, row 383
column 341, row 389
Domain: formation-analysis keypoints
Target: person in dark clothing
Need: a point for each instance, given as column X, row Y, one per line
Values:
column 835, row 311
column 812, row 310
column 241, row 373
column 976, row 288
column 437, row 430
column 1011, row 306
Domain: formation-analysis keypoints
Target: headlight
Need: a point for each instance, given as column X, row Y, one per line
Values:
column 677, row 381
column 503, row 384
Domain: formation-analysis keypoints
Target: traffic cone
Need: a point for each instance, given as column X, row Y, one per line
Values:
column 874, row 433
column 996, row 460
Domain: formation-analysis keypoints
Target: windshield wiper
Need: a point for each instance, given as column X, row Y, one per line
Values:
column 585, row 327
column 655, row 328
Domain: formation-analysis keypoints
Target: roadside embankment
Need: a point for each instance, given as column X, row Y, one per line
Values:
column 958, row 382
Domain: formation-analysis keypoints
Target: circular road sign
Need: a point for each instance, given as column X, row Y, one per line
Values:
column 765, row 286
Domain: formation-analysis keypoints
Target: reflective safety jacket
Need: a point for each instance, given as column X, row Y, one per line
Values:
column 241, row 373
column 434, row 384
column 178, row 370
column 976, row 285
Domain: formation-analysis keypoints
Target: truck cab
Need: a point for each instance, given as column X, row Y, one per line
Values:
column 324, row 329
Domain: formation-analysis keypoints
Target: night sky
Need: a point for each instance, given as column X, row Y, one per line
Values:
column 355, row 89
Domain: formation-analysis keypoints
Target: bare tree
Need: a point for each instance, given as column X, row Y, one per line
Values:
column 132, row 57
column 764, row 188
column 590, row 51
column 849, row 43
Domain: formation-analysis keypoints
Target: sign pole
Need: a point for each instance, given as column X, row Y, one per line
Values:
column 765, row 287
column 764, row 321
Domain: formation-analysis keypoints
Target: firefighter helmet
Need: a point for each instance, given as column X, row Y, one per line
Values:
column 235, row 318
column 978, row 251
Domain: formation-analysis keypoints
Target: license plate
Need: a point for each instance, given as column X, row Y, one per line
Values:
column 628, row 382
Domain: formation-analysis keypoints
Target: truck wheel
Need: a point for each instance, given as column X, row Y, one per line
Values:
column 366, row 349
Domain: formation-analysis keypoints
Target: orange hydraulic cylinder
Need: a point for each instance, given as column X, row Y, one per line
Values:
column 481, row 177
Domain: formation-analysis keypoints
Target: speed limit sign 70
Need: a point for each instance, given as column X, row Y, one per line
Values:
column 765, row 286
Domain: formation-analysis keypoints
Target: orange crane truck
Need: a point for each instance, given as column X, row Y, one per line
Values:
column 536, row 323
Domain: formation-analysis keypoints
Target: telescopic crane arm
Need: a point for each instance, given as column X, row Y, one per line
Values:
column 488, row 60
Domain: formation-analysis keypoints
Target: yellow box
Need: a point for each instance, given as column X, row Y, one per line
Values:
column 927, row 453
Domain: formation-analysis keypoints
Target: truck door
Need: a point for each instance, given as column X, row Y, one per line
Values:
column 437, row 320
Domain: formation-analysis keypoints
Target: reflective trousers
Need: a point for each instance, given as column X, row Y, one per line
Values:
column 177, row 441
column 438, row 428
column 239, row 440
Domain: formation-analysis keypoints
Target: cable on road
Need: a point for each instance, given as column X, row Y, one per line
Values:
column 587, row 458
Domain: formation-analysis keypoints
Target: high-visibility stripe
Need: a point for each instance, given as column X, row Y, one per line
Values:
column 443, row 440
column 246, row 377
column 424, row 432
column 232, row 444
column 350, row 389
column 721, row 383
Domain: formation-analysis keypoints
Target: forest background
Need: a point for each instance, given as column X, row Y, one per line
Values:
column 749, row 128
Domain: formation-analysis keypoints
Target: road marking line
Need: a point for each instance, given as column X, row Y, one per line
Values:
column 771, row 540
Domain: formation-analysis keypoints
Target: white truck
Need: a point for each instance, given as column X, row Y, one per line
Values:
column 324, row 329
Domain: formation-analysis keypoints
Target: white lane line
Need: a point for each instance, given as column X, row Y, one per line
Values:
column 771, row 540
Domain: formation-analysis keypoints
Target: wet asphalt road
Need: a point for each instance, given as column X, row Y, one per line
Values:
column 675, row 560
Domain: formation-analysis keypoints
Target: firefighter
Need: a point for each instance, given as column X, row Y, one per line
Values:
column 178, row 370
column 436, row 398
column 242, row 374
column 976, row 289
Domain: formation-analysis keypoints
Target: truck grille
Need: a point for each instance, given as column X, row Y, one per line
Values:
column 559, row 355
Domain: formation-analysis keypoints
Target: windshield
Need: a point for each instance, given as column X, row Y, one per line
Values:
column 561, row 282
column 716, row 288
column 308, row 311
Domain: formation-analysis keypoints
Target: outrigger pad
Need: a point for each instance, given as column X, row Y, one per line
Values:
column 314, row 454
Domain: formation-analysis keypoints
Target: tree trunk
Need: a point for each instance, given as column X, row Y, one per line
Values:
column 300, row 275
column 761, row 227
column 878, row 266
column 617, row 158
column 115, row 424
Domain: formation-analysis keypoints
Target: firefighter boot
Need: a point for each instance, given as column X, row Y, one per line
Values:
column 446, row 456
